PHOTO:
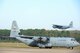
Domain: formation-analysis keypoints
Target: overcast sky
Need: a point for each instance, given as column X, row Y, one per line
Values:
column 39, row 14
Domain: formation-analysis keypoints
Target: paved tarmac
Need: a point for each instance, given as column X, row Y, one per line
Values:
column 37, row 50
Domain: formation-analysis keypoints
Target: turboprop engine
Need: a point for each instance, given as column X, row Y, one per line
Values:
column 41, row 39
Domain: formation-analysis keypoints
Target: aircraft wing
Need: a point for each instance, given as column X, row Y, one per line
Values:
column 28, row 37
column 57, row 26
column 37, row 38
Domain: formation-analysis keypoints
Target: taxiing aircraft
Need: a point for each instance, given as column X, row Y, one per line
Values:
column 42, row 42
column 63, row 27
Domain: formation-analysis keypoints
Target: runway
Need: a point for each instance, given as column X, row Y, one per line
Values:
column 37, row 50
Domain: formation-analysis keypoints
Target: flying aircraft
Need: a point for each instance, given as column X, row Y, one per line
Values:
column 42, row 42
column 63, row 27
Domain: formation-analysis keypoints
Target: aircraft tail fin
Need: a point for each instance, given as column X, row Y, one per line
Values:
column 14, row 30
column 71, row 24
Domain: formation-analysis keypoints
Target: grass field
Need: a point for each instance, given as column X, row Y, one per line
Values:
column 20, row 45
column 10, row 44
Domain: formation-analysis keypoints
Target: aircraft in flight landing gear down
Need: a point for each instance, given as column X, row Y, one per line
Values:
column 63, row 27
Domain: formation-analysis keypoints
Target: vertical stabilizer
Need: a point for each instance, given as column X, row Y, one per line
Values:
column 71, row 24
column 14, row 30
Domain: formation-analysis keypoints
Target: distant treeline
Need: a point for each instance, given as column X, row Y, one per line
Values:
column 41, row 32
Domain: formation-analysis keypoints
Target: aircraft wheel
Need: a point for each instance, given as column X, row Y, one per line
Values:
column 71, row 47
column 48, row 47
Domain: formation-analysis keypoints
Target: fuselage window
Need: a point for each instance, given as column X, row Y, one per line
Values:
column 73, row 40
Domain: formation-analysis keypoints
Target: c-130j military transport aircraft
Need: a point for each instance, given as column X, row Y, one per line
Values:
column 63, row 27
column 42, row 42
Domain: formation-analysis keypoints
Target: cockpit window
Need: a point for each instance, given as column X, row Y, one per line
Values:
column 73, row 40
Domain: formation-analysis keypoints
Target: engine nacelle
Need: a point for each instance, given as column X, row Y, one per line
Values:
column 45, row 39
column 35, row 38
column 41, row 39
